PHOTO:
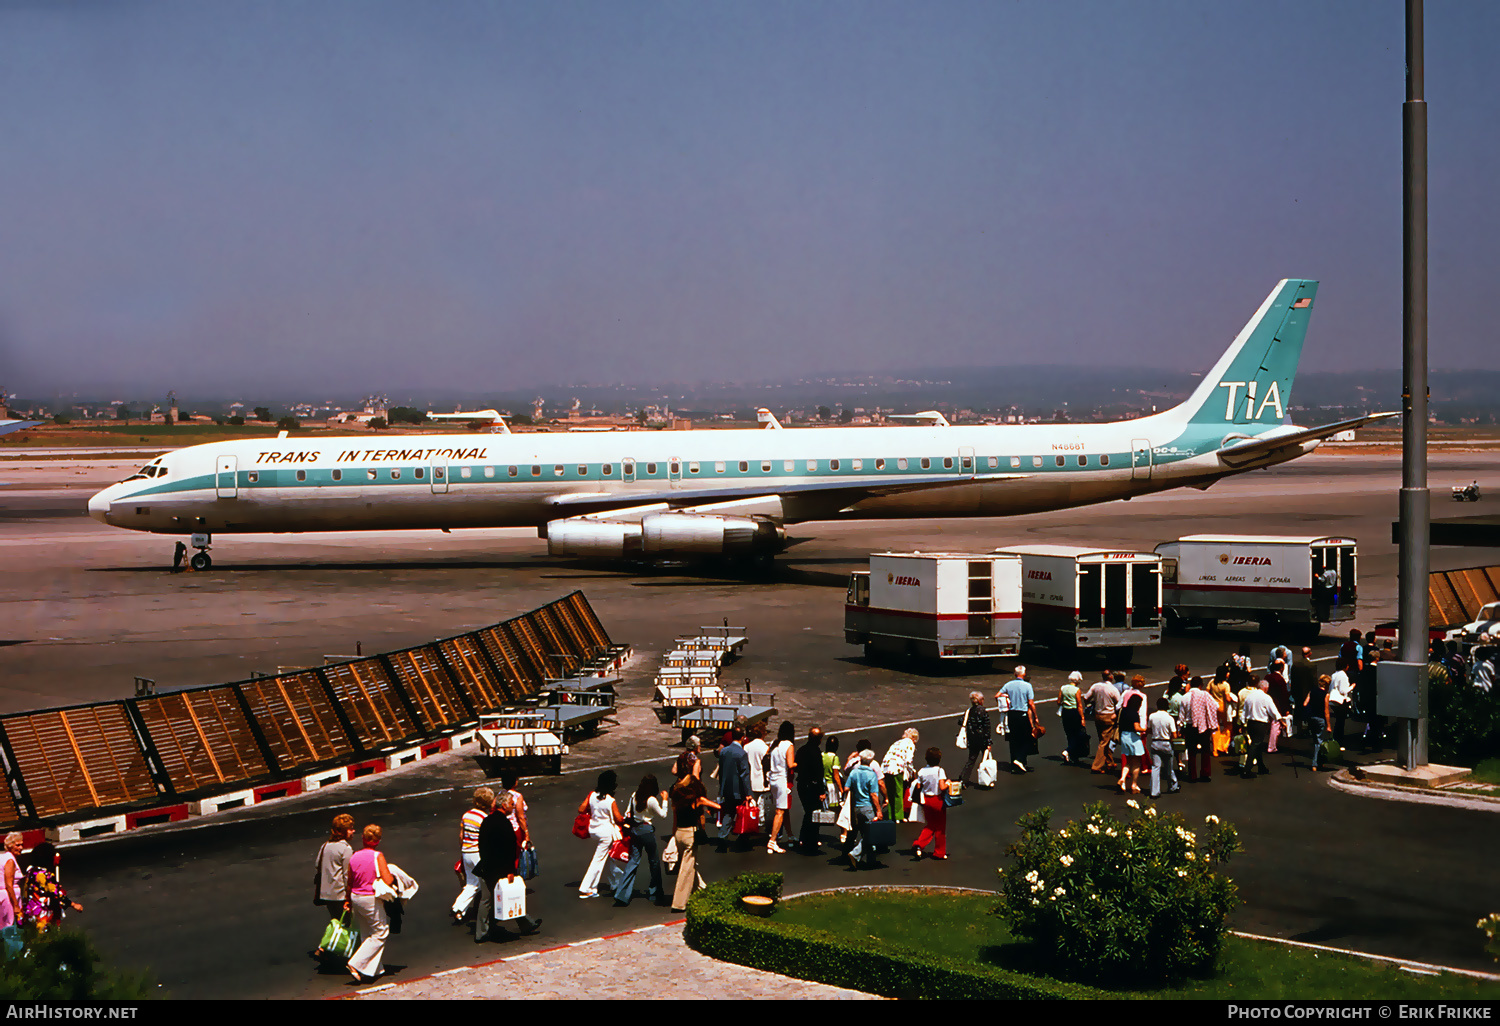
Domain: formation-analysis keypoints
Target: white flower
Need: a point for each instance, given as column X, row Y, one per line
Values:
column 1093, row 829
column 1067, row 860
column 1133, row 804
column 1032, row 876
column 1151, row 812
column 1111, row 832
column 1191, row 856
column 1211, row 820
column 1059, row 893
column 1182, row 872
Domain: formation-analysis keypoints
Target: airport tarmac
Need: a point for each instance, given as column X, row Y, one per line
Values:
column 87, row 608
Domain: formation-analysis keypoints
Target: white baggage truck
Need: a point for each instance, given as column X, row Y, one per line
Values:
column 936, row 605
column 1267, row 579
column 1073, row 597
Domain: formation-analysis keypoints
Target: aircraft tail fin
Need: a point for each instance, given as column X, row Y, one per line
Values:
column 1251, row 385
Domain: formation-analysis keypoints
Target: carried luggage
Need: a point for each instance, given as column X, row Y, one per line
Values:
column 882, row 833
column 1332, row 753
column 747, row 818
column 527, row 864
column 339, row 939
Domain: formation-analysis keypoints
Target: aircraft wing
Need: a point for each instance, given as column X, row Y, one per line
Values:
column 811, row 501
column 1249, row 450
column 7, row 426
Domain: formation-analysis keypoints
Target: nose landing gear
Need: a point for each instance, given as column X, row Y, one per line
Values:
column 201, row 559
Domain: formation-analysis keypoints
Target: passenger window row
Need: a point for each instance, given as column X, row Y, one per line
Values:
column 632, row 470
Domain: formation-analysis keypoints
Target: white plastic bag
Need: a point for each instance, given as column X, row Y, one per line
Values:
column 989, row 772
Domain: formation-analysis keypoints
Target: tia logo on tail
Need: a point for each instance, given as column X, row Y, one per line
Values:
column 1272, row 399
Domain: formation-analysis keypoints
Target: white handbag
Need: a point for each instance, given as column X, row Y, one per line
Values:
column 963, row 732
column 846, row 817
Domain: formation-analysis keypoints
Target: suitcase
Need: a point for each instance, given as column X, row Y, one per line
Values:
column 882, row 833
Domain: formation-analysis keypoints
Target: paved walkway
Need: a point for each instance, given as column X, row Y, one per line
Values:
column 575, row 972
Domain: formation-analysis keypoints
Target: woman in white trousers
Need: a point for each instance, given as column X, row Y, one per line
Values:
column 605, row 822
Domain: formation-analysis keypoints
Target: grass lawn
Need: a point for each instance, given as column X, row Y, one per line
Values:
column 1487, row 772
column 960, row 926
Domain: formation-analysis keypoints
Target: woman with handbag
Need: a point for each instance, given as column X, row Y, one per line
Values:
column 365, row 867
column 604, row 825
column 932, row 784
column 974, row 735
column 648, row 804
column 689, row 800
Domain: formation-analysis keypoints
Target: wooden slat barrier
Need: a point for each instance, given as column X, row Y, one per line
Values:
column 298, row 721
column 1455, row 596
column 465, row 656
column 370, row 703
column 79, row 758
column 64, row 762
column 202, row 738
column 585, row 613
column 430, row 687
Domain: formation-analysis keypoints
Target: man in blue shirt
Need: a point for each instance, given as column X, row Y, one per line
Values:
column 862, row 790
column 1021, row 722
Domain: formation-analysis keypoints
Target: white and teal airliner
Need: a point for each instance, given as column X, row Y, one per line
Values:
column 672, row 494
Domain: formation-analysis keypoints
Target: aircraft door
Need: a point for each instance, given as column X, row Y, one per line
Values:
column 226, row 477
column 674, row 472
column 1140, row 459
column 966, row 460
column 439, row 476
column 627, row 470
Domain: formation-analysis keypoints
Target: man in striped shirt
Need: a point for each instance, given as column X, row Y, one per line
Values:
column 468, row 851
column 1201, row 722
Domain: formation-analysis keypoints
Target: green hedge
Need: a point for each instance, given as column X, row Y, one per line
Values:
column 717, row 928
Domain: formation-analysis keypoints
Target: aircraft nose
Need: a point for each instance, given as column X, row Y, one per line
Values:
column 99, row 503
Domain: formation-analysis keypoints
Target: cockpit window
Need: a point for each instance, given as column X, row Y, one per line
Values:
column 150, row 470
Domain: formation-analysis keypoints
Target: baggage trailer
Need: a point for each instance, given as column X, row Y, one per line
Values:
column 936, row 605
column 1267, row 579
column 1073, row 597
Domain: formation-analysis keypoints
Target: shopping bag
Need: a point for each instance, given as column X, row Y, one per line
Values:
column 620, row 850
column 510, row 898
column 845, row 819
column 581, row 824
column 1331, row 751
column 747, row 818
column 338, row 938
column 989, row 772
column 528, row 867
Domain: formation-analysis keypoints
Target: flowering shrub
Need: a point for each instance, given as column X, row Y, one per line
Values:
column 1108, row 900
column 1491, row 927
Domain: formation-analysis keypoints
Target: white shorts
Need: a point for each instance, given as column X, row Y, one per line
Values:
column 781, row 795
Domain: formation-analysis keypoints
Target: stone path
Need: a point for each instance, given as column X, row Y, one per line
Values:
column 602, row 970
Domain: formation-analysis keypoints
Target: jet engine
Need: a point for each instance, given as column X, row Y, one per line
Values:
column 665, row 535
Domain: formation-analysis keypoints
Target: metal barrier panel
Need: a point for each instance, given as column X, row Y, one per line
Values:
column 428, row 685
column 465, row 657
column 81, row 758
column 202, row 738
column 370, row 702
column 296, row 719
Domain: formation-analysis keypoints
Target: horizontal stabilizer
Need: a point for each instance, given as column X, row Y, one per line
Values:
column 1240, row 453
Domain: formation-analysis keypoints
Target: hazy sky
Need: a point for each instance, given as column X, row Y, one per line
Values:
column 334, row 197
